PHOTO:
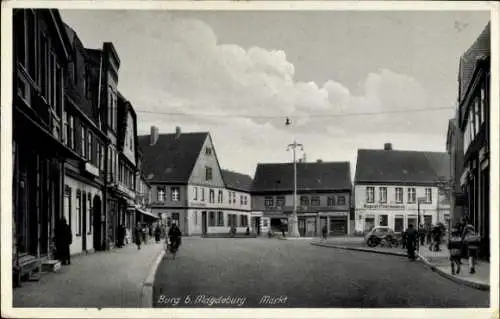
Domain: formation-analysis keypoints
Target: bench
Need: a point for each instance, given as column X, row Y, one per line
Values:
column 27, row 267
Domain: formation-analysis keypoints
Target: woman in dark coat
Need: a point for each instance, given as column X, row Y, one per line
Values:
column 157, row 233
column 63, row 239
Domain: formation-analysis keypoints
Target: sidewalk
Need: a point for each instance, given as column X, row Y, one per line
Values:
column 357, row 244
column 439, row 262
column 107, row 279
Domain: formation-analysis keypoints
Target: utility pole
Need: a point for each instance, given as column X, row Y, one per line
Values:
column 293, row 227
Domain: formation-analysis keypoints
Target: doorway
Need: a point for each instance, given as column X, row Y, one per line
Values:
column 338, row 225
column 84, row 221
column 204, row 225
column 257, row 225
column 302, row 227
column 96, row 218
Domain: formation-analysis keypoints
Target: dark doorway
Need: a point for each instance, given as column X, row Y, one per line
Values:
column 204, row 223
column 84, row 221
column 257, row 225
column 98, row 231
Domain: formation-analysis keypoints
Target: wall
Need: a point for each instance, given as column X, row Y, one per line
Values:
column 195, row 198
column 198, row 174
column 195, row 221
column 258, row 202
column 129, row 143
column 76, row 246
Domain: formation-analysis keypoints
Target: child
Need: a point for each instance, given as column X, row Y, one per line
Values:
column 455, row 247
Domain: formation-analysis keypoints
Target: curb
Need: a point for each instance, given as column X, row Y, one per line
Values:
column 458, row 280
column 361, row 249
column 147, row 285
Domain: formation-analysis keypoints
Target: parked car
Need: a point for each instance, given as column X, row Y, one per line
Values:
column 383, row 236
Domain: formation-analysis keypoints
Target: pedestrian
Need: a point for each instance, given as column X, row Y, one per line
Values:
column 248, row 231
column 471, row 241
column 120, row 236
column 324, row 232
column 63, row 239
column 421, row 234
column 436, row 236
column 428, row 234
column 283, row 230
column 138, row 235
column 403, row 239
column 455, row 247
column 144, row 234
column 157, row 233
column 411, row 241
column 150, row 231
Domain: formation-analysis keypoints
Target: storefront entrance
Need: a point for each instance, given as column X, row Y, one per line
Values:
column 338, row 225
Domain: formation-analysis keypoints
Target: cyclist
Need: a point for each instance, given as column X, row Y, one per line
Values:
column 175, row 238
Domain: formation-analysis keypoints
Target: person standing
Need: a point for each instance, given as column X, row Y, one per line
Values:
column 138, row 235
column 403, row 239
column 157, row 233
column 421, row 235
column 120, row 234
column 324, row 232
column 63, row 239
column 411, row 241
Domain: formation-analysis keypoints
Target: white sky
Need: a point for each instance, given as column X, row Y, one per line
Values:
column 238, row 66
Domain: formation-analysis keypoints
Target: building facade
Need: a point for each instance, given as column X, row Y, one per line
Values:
column 398, row 188
column 323, row 196
column 84, row 174
column 473, row 122
column 187, row 184
column 41, row 53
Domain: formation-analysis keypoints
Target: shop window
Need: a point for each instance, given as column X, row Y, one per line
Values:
column 384, row 220
column 220, row 219
column 398, row 224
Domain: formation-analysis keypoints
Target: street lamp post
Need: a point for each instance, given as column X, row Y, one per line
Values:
column 293, row 227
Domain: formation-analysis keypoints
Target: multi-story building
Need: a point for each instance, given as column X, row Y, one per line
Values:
column 396, row 188
column 84, row 173
column 41, row 53
column 323, row 196
column 473, row 121
column 187, row 184
column 454, row 147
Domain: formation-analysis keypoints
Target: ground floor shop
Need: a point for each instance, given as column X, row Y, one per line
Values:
column 398, row 220
column 118, row 215
column 312, row 224
column 82, row 209
column 194, row 222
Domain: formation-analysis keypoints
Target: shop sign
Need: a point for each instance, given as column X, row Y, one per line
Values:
column 384, row 206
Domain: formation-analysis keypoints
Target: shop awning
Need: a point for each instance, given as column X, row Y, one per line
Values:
column 142, row 211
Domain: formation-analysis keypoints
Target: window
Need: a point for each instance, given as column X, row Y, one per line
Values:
column 304, row 201
column 412, row 195
column 78, row 206
column 382, row 194
column 65, row 128
column 89, row 212
column 67, row 204
column 241, row 199
column 330, row 201
column 384, row 220
column 220, row 197
column 71, row 132
column 211, row 196
column 477, row 118
column 175, row 194
column 89, row 146
column 280, row 201
column 234, row 198
column 428, row 195
column 202, row 194
column 220, row 219
column 370, row 194
column 399, row 195
column 26, row 40
column 208, row 151
column 98, row 154
column 83, row 144
column 211, row 219
column 398, row 224
column 268, row 201
column 208, row 173
column 340, row 200
column 161, row 194
column 44, row 48
column 195, row 193
column 315, row 201
column 483, row 104
column 245, row 202
column 243, row 221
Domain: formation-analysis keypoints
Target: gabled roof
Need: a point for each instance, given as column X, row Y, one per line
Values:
column 273, row 177
column 480, row 47
column 236, row 181
column 394, row 166
column 171, row 159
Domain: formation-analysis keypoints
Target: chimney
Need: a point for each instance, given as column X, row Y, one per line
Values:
column 177, row 132
column 154, row 135
column 388, row 146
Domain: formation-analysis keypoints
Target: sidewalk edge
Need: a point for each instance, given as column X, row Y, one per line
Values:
column 458, row 280
column 147, row 285
column 360, row 249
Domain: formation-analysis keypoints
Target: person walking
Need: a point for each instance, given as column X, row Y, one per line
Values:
column 150, row 231
column 324, row 232
column 428, row 234
column 404, row 239
column 411, row 241
column 455, row 247
column 138, row 235
column 471, row 241
column 120, row 234
column 436, row 236
column 174, row 234
column 157, row 233
column 421, row 234
column 63, row 239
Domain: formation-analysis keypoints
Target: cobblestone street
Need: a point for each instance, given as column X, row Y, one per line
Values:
column 301, row 275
